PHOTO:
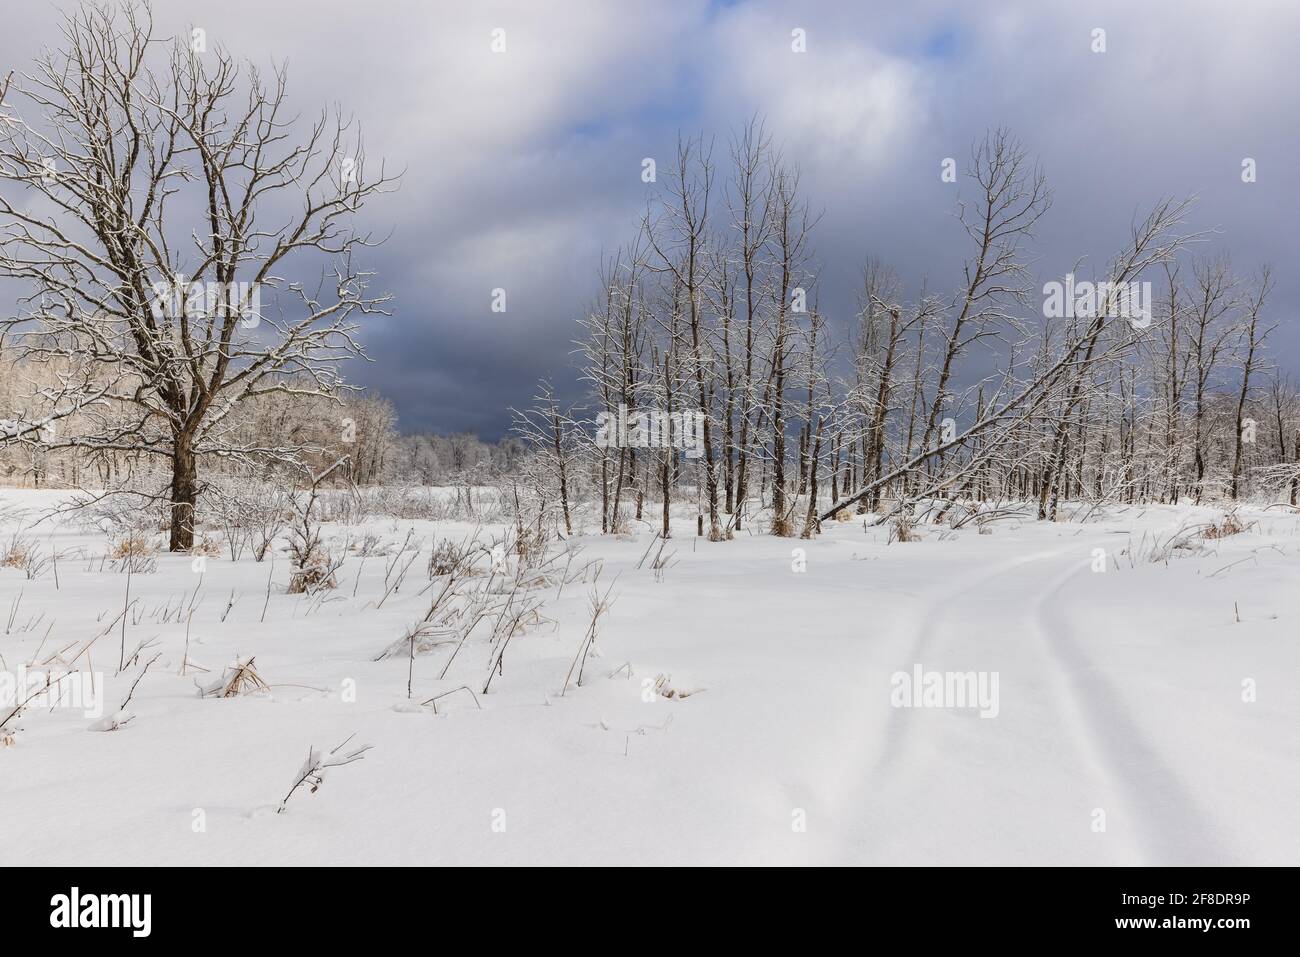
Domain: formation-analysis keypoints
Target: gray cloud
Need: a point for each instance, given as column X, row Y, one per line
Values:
column 522, row 169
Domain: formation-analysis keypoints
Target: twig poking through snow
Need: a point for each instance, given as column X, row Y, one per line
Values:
column 434, row 700
column 312, row 772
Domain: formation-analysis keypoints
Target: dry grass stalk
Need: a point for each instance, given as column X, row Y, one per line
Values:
column 130, row 546
column 240, row 678
column 600, row 604
column 902, row 529
column 1230, row 525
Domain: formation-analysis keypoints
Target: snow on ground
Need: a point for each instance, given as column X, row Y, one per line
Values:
column 1122, row 704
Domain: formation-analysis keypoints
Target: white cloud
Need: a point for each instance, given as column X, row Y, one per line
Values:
column 843, row 101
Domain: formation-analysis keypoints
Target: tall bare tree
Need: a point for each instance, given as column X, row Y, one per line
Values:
column 1252, row 340
column 680, row 241
column 749, row 201
column 1209, row 333
column 791, row 224
column 1010, row 198
column 152, row 194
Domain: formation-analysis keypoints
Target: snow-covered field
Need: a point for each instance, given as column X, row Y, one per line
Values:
column 1147, row 714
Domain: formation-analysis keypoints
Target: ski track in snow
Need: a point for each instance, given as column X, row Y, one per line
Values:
column 1170, row 827
column 940, row 610
column 1110, row 762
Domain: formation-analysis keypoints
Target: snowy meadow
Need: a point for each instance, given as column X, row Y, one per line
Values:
column 622, row 699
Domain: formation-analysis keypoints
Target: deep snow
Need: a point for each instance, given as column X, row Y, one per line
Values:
column 1119, row 692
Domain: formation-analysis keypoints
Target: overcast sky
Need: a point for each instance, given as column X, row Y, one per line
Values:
column 522, row 168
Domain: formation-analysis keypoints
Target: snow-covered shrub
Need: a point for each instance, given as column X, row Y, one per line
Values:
column 903, row 529
column 1230, row 524
column 131, row 545
column 311, row 573
column 17, row 552
column 313, row 568
column 209, row 547
column 250, row 511
column 621, row 525
column 449, row 558
column 126, row 512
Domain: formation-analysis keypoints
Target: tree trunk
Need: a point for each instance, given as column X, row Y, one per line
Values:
column 1295, row 482
column 811, row 525
column 184, row 495
column 556, row 433
column 667, row 529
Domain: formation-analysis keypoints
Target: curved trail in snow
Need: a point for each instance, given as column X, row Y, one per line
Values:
column 936, row 615
column 1172, row 829
column 1063, row 745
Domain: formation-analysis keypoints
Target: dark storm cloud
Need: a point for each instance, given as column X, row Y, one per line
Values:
column 522, row 168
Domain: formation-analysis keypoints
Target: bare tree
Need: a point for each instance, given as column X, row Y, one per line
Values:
column 157, row 193
column 791, row 224
column 749, row 201
column 1209, row 333
column 1056, row 379
column 1010, row 199
column 551, row 432
column 613, row 365
column 1253, row 339
column 680, row 241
